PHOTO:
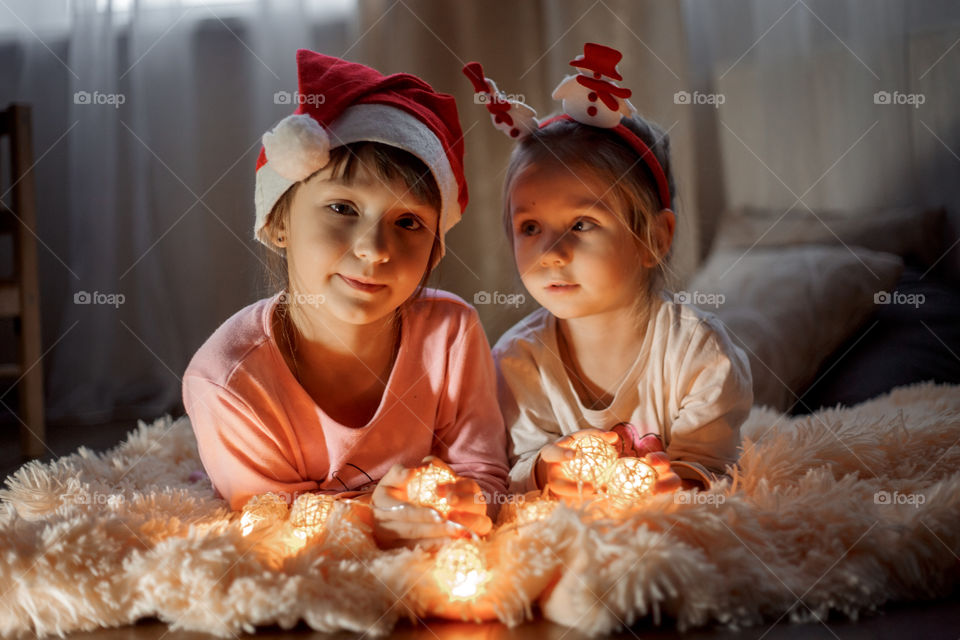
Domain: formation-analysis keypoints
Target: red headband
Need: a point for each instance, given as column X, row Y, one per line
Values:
column 645, row 152
column 588, row 98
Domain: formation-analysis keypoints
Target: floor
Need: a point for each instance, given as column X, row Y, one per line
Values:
column 922, row 621
column 938, row 620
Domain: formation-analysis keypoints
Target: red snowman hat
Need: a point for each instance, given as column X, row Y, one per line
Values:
column 339, row 102
column 599, row 59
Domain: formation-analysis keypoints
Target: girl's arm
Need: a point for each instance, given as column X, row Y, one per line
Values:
column 529, row 430
column 715, row 394
column 470, row 435
column 242, row 455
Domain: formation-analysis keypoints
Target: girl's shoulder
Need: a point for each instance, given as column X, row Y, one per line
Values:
column 689, row 327
column 233, row 342
column 435, row 310
column 527, row 337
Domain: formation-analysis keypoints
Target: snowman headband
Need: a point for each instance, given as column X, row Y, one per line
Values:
column 588, row 97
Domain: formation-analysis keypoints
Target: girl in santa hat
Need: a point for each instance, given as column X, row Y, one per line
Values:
column 355, row 374
column 589, row 209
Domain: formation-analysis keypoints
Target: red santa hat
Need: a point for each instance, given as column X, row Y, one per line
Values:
column 340, row 102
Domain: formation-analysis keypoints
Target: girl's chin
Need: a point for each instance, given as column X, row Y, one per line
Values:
column 564, row 312
column 359, row 312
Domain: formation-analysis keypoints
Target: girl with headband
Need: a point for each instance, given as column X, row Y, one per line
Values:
column 589, row 209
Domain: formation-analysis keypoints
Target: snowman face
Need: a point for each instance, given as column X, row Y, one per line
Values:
column 584, row 105
column 575, row 254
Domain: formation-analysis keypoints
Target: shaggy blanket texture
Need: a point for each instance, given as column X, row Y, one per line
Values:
column 841, row 511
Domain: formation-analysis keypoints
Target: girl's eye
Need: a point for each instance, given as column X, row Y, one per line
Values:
column 410, row 223
column 343, row 209
column 529, row 228
column 583, row 225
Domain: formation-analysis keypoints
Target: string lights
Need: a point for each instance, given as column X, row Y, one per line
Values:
column 593, row 458
column 460, row 570
column 262, row 510
column 309, row 514
column 422, row 487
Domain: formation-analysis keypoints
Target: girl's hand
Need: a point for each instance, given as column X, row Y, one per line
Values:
column 550, row 472
column 398, row 522
column 667, row 479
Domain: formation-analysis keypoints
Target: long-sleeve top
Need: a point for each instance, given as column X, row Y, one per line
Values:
column 690, row 386
column 258, row 429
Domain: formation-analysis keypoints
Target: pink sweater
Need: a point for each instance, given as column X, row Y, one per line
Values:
column 258, row 430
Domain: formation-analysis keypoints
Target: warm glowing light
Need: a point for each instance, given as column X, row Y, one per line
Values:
column 534, row 510
column 460, row 570
column 422, row 487
column 261, row 510
column 309, row 514
column 630, row 479
column 594, row 456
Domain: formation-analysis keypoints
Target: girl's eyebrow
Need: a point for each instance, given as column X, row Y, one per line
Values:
column 591, row 202
column 575, row 203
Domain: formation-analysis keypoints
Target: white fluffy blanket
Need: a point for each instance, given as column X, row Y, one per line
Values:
column 842, row 511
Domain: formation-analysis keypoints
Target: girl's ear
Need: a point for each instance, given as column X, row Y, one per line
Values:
column 661, row 233
column 279, row 234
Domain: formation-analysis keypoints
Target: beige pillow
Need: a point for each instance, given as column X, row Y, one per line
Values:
column 789, row 308
column 913, row 233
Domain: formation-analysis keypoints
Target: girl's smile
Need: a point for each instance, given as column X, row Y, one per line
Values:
column 365, row 285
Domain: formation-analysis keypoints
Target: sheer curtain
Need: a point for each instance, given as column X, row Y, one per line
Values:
column 148, row 116
column 147, row 119
column 800, row 126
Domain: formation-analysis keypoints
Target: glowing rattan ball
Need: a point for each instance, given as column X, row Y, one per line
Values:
column 309, row 514
column 594, row 456
column 630, row 479
column 262, row 510
column 460, row 570
column 422, row 487
column 534, row 510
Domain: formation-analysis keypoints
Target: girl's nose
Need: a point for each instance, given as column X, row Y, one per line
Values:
column 371, row 245
column 556, row 251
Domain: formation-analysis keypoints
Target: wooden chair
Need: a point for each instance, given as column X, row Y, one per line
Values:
column 20, row 294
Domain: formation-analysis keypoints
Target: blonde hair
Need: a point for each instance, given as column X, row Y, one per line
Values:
column 605, row 155
column 388, row 163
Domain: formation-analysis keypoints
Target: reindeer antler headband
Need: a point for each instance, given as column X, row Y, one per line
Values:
column 589, row 97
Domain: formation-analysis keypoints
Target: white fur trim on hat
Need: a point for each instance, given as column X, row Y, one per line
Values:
column 366, row 122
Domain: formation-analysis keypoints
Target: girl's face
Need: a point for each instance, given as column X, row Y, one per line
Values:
column 576, row 257
column 357, row 249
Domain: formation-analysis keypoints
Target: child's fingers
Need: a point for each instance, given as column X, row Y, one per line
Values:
column 398, row 530
column 397, row 476
column 437, row 462
column 478, row 523
column 610, row 437
column 406, row 511
column 553, row 453
column 570, row 488
column 657, row 457
column 390, row 496
column 659, row 461
column 462, row 487
column 464, row 494
column 667, row 483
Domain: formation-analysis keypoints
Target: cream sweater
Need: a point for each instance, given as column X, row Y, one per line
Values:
column 690, row 385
